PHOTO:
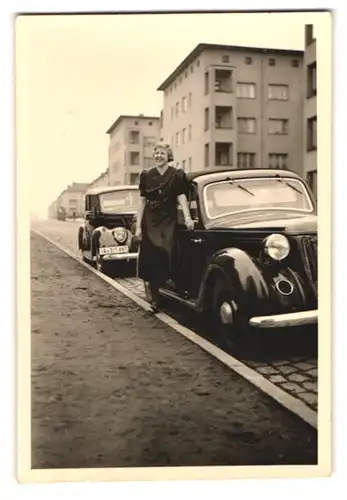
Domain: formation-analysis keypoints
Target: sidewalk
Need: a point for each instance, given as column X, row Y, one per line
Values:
column 114, row 387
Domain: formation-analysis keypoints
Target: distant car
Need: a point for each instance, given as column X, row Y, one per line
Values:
column 107, row 235
column 251, row 261
column 61, row 213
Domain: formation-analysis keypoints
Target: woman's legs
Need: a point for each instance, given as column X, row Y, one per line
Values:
column 152, row 295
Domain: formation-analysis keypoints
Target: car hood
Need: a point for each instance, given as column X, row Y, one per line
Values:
column 289, row 222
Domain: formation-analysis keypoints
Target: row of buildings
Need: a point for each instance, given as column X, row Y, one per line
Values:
column 227, row 106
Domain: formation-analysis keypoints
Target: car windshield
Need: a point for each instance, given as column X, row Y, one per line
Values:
column 242, row 195
column 120, row 201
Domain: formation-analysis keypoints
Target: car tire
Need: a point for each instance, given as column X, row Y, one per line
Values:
column 230, row 322
column 80, row 238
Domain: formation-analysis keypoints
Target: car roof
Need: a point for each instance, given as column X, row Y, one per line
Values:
column 111, row 189
column 204, row 177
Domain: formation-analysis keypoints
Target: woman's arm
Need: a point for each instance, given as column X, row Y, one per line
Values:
column 140, row 214
column 182, row 199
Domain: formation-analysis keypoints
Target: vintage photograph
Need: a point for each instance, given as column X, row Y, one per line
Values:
column 168, row 167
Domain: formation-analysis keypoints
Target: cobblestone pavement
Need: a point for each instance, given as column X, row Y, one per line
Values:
column 291, row 364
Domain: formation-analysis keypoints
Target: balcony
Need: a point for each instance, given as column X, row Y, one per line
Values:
column 223, row 154
column 223, row 81
column 223, row 117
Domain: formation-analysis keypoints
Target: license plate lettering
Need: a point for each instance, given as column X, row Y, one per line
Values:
column 114, row 250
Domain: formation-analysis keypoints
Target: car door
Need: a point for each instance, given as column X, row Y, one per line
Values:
column 192, row 250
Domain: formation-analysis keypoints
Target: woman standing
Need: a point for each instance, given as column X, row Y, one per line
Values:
column 161, row 189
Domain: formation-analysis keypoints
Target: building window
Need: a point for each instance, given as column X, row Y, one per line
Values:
column 245, row 160
column 184, row 165
column 177, row 139
column 134, row 178
column 312, row 181
column 278, row 92
column 148, row 162
column 180, row 79
column 172, row 112
column 245, row 90
column 278, row 160
column 272, row 62
column 223, row 154
column 225, row 59
column 184, row 139
column 223, row 80
column 295, row 63
column 149, row 142
column 309, row 35
column 189, row 164
column 136, row 123
column 246, row 125
column 312, row 80
column 186, row 74
column 248, row 60
column 161, row 119
column 277, row 126
column 189, row 100
column 177, row 109
column 184, row 104
column 223, row 117
column 189, row 133
column 134, row 137
column 312, row 133
column 206, row 118
column 192, row 69
column 197, row 63
column 207, row 155
column 206, row 84
column 134, row 158
column 150, row 123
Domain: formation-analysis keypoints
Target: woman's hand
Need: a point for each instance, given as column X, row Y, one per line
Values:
column 138, row 233
column 189, row 224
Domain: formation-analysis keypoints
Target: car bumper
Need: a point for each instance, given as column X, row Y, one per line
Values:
column 285, row 320
column 120, row 256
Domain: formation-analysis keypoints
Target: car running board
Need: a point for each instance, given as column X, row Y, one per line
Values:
column 173, row 295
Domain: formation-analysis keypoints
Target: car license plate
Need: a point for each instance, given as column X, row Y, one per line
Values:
column 112, row 250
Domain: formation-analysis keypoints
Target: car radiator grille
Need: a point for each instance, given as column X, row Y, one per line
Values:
column 308, row 248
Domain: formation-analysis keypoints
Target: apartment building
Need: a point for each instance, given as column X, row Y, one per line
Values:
column 233, row 106
column 131, row 147
column 72, row 199
column 310, row 109
column 102, row 180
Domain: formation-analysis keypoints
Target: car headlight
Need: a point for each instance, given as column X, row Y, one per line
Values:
column 277, row 246
column 120, row 234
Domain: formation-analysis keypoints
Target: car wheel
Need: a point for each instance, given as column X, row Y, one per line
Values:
column 230, row 322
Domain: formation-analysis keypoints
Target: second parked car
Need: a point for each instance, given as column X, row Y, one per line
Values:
column 106, row 238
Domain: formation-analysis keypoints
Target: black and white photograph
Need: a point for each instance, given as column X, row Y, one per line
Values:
column 173, row 181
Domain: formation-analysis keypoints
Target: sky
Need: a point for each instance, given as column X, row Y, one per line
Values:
column 76, row 74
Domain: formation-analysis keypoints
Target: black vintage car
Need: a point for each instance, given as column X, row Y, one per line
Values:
column 251, row 261
column 106, row 238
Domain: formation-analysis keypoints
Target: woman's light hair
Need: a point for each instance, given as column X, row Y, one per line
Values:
column 167, row 148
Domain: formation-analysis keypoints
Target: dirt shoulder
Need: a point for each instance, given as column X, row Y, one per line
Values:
column 115, row 387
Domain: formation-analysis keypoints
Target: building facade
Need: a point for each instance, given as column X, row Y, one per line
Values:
column 131, row 147
column 72, row 199
column 102, row 180
column 237, row 107
column 310, row 109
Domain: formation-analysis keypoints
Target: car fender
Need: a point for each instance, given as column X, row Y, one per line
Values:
column 103, row 236
column 243, row 275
